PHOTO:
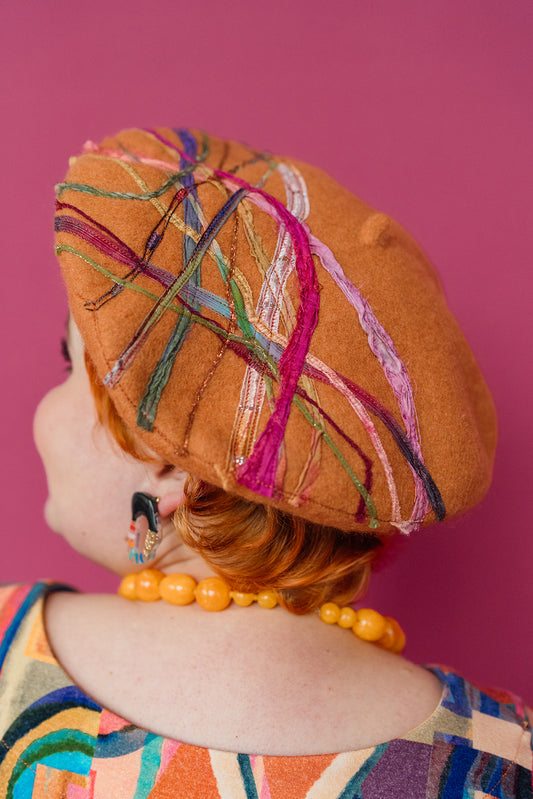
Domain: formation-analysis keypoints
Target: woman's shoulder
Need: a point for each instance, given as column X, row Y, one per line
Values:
column 480, row 736
column 379, row 697
column 465, row 697
column 477, row 739
column 484, row 718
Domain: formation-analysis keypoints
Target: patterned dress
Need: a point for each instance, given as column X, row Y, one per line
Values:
column 57, row 742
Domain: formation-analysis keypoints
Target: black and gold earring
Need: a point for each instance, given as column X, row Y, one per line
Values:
column 144, row 535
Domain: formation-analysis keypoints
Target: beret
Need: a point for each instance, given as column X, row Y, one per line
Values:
column 259, row 326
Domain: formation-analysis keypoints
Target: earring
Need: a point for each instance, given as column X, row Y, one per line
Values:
column 145, row 525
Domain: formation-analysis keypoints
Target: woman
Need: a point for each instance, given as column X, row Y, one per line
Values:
column 266, row 385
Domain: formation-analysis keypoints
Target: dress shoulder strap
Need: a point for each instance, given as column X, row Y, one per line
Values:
column 16, row 601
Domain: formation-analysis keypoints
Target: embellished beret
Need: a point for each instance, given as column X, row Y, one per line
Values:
column 262, row 328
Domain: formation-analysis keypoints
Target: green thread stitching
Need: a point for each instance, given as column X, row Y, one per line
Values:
column 373, row 522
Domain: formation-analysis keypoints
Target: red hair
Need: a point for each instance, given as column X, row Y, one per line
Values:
column 255, row 546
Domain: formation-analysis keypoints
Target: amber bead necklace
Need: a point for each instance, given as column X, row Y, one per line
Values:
column 214, row 594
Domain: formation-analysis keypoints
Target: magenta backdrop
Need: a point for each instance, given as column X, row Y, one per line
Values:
column 424, row 109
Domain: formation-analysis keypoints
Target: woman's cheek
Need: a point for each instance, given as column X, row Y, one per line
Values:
column 45, row 428
column 51, row 436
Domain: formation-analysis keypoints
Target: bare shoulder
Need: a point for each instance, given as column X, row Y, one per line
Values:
column 258, row 668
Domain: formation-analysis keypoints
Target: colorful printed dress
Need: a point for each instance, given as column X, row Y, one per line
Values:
column 57, row 742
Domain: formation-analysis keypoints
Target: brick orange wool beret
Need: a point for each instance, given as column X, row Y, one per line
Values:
column 259, row 326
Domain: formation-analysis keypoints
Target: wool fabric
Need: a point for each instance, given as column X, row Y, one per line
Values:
column 262, row 328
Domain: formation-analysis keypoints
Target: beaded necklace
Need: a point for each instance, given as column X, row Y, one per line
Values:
column 214, row 594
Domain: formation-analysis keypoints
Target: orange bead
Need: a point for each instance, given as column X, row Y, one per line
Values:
column 177, row 589
column 267, row 599
column 330, row 612
column 387, row 639
column 147, row 584
column 244, row 600
column 347, row 618
column 212, row 594
column 127, row 587
column 369, row 625
column 399, row 637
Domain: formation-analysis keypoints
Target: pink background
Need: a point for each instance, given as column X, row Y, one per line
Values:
column 424, row 109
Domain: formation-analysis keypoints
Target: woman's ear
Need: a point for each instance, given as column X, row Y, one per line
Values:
column 167, row 483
